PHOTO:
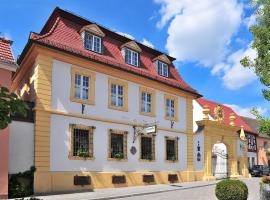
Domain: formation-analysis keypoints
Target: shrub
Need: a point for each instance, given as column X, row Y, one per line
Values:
column 266, row 179
column 231, row 190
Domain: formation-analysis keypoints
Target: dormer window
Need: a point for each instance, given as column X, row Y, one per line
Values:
column 162, row 68
column 130, row 52
column 92, row 42
column 131, row 57
column 92, row 37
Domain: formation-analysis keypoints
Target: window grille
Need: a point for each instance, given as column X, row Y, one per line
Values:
column 147, row 148
column 81, row 142
column 117, row 146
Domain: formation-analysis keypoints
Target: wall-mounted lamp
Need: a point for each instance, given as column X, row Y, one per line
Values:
column 83, row 108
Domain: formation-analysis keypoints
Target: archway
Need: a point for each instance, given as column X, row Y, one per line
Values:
column 220, row 161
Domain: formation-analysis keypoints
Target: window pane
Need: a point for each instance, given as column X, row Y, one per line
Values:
column 77, row 86
column 88, row 41
column 97, row 44
column 81, row 143
column 170, row 150
column 146, row 148
column 117, row 146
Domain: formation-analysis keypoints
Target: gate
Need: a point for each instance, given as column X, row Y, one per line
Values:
column 220, row 162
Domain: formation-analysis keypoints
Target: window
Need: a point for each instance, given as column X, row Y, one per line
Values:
column 265, row 145
column 171, row 107
column 92, row 42
column 162, row 69
column 118, row 95
column 147, row 102
column 82, row 86
column 81, row 142
column 131, row 57
column 117, row 145
column 148, row 148
column 171, row 149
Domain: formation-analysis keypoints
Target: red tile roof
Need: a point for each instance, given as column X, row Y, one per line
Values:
column 5, row 51
column 227, row 111
column 62, row 32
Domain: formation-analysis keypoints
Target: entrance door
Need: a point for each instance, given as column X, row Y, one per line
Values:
column 220, row 161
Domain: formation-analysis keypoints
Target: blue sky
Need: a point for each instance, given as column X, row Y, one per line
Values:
column 208, row 38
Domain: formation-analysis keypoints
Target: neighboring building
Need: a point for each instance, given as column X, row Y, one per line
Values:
column 263, row 142
column 7, row 68
column 219, row 151
column 99, row 97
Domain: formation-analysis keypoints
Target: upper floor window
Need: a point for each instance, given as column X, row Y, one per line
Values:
column 82, row 86
column 147, row 102
column 118, row 95
column 81, row 142
column 171, row 107
column 131, row 57
column 92, row 42
column 162, row 69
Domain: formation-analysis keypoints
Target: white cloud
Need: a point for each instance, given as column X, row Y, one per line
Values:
column 147, row 43
column 245, row 111
column 234, row 75
column 126, row 35
column 200, row 31
column 250, row 21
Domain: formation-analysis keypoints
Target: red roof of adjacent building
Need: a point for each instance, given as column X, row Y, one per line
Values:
column 227, row 111
column 62, row 31
column 6, row 55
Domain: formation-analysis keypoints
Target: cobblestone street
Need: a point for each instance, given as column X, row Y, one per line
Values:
column 186, row 191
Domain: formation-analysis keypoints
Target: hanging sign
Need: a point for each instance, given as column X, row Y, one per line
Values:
column 150, row 129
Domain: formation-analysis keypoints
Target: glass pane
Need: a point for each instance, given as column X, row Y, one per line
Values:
column 117, row 146
column 80, row 143
column 88, row 39
column 97, row 44
column 170, row 150
column 146, row 148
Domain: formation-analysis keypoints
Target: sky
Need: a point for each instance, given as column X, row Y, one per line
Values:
column 208, row 38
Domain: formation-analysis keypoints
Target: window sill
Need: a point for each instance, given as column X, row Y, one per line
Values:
column 89, row 102
column 118, row 159
column 145, row 160
column 125, row 109
column 172, row 161
column 151, row 114
column 171, row 119
column 80, row 158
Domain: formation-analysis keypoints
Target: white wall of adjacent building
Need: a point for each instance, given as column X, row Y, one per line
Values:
column 21, row 146
column 60, row 136
column 198, row 114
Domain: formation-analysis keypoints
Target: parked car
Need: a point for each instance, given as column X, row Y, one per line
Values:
column 259, row 170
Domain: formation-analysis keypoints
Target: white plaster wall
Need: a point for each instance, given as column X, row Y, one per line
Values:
column 61, row 79
column 240, row 151
column 198, row 137
column 60, row 146
column 21, row 146
column 197, row 114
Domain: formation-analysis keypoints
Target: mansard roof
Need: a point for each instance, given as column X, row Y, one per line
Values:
column 227, row 111
column 6, row 55
column 62, row 32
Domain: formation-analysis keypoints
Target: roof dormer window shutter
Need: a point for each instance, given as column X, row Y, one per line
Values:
column 92, row 38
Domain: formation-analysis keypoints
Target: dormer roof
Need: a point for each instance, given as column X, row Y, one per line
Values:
column 133, row 46
column 163, row 58
column 94, row 29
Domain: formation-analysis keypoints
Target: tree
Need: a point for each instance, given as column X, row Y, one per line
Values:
column 261, row 43
column 10, row 104
column 263, row 122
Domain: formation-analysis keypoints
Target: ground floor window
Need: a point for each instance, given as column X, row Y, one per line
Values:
column 171, row 149
column 117, row 144
column 81, row 141
column 148, row 148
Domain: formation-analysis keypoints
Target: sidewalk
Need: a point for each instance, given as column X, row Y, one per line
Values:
column 116, row 193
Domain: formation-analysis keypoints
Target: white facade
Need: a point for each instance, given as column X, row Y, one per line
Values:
column 198, row 114
column 60, row 136
column 21, row 146
column 198, row 150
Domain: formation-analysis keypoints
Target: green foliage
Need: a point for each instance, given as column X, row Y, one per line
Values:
column 231, row 190
column 21, row 184
column 9, row 105
column 261, row 43
column 264, row 123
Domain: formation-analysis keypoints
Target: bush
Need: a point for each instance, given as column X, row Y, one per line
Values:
column 231, row 190
column 266, row 179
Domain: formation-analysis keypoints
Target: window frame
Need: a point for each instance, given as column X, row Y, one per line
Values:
column 125, row 94
column 153, row 101
column 125, row 138
column 153, row 148
column 91, row 91
column 175, row 99
column 91, row 142
column 176, row 149
column 162, row 64
column 88, row 34
column 132, row 52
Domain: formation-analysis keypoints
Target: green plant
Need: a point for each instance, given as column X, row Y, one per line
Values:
column 82, row 153
column 21, row 184
column 231, row 190
column 119, row 155
column 268, row 152
column 265, row 179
